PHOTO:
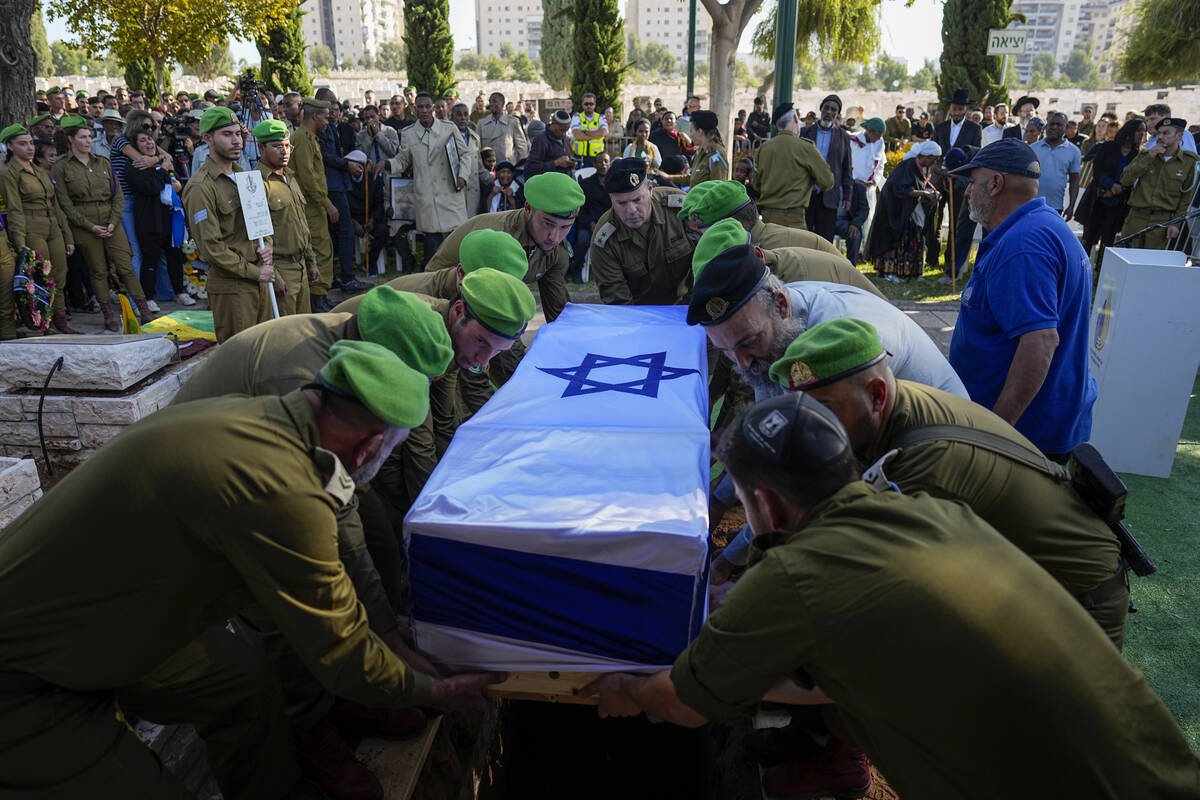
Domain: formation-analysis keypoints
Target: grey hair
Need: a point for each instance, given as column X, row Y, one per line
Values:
column 767, row 292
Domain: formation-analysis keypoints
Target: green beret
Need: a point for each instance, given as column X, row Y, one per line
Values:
column 447, row 93
column 67, row 123
column 313, row 102
column 721, row 199
column 501, row 303
column 193, row 95
column 554, row 193
column 405, row 324
column 37, row 119
column 217, row 117
column 720, row 236
column 53, row 90
column 270, row 130
column 486, row 248
column 16, row 129
column 828, row 352
column 874, row 124
column 377, row 378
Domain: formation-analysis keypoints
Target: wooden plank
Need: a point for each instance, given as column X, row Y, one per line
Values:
column 398, row 765
column 547, row 687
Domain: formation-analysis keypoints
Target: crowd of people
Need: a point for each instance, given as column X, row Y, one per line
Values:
column 263, row 604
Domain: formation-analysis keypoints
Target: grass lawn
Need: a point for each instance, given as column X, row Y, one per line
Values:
column 924, row 289
column 1163, row 638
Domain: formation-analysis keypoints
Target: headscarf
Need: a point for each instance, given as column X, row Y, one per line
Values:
column 923, row 149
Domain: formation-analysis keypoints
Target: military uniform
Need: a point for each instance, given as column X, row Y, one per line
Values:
column 1164, row 191
column 90, row 196
column 787, row 168
column 998, row 685
column 792, row 264
column 770, row 236
column 648, row 266
column 8, row 267
column 309, row 169
column 896, row 132
column 708, row 164
column 237, row 297
column 118, row 614
column 292, row 253
column 547, row 269
column 35, row 221
column 1043, row 517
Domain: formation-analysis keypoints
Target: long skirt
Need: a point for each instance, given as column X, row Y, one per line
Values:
column 907, row 260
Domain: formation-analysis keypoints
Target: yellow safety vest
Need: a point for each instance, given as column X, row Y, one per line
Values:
column 589, row 147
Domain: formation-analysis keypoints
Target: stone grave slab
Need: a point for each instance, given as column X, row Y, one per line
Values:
column 90, row 363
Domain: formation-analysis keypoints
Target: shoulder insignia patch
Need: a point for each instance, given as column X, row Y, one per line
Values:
column 716, row 158
column 200, row 216
column 675, row 200
column 605, row 232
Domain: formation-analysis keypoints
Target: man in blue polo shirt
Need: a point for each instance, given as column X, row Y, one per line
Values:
column 1060, row 164
column 1020, row 344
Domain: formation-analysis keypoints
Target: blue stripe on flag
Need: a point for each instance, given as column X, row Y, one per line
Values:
column 621, row 613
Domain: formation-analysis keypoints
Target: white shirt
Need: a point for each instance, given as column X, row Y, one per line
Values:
column 992, row 133
column 867, row 158
column 955, row 129
column 575, row 122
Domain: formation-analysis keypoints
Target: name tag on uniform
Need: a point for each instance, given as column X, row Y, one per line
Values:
column 675, row 200
column 602, row 235
column 200, row 216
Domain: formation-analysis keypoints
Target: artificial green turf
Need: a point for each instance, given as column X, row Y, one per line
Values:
column 1163, row 638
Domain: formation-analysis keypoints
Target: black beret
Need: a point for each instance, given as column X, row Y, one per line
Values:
column 674, row 165
column 780, row 110
column 1173, row 122
column 724, row 285
column 625, row 175
column 705, row 120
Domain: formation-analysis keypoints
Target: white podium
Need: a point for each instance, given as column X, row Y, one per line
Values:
column 1143, row 351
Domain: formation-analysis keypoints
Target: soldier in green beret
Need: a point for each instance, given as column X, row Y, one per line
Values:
column 910, row 621
column 8, row 267
column 248, row 517
column 640, row 251
column 730, row 199
column 91, row 198
column 552, row 201
column 841, row 364
column 239, row 272
column 319, row 210
column 43, row 126
column 292, row 251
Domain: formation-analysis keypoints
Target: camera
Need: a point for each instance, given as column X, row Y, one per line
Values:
column 248, row 89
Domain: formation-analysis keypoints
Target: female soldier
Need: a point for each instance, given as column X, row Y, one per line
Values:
column 33, row 214
column 93, row 202
column 708, row 163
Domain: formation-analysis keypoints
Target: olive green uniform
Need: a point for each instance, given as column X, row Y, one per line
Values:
column 547, row 269
column 957, row 664
column 896, row 132
column 292, row 252
column 237, row 297
column 708, row 164
column 95, row 609
column 35, row 221
column 89, row 195
column 1164, row 191
column 309, row 169
column 770, row 236
column 786, row 169
column 1045, row 518
column 648, row 266
column 8, row 268
column 801, row 264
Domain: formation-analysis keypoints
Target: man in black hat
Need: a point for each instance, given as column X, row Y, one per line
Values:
column 788, row 168
column 833, row 143
column 640, row 252
column 551, row 152
column 1023, row 108
column 758, row 124
column 957, row 130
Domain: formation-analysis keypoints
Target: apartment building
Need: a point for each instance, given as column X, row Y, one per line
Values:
column 351, row 28
column 666, row 21
column 517, row 22
column 1059, row 26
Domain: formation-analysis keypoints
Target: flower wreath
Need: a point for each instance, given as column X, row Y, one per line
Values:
column 34, row 289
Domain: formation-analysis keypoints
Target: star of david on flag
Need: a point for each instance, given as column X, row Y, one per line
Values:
column 580, row 380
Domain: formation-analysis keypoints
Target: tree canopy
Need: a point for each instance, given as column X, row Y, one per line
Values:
column 321, row 57
column 523, row 68
column 219, row 61
column 651, row 58
column 558, row 28
column 599, row 44
column 281, row 52
column 165, row 32
column 846, row 31
column 1162, row 46
column 41, row 48
column 391, row 56
column 429, row 44
column 965, row 62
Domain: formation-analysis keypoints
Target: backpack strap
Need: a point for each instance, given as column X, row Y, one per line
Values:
column 991, row 442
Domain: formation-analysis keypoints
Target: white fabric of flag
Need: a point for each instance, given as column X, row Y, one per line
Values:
column 566, row 527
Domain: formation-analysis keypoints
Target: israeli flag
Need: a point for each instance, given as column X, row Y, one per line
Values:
column 566, row 527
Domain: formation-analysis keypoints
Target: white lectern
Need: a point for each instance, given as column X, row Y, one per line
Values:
column 1143, row 351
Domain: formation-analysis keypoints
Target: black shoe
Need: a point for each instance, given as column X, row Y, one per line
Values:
column 319, row 303
column 355, row 285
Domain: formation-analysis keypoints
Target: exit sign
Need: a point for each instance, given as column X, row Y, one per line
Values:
column 1006, row 42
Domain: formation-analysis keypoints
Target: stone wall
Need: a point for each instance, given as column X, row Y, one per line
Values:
column 19, row 487
column 76, row 425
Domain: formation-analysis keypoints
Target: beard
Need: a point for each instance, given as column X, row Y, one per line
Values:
column 757, row 375
column 981, row 212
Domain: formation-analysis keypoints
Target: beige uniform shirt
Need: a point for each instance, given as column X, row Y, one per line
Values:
column 787, row 168
column 214, row 213
column 648, row 266
column 88, row 194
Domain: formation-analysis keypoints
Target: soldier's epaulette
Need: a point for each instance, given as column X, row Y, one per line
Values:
column 605, row 232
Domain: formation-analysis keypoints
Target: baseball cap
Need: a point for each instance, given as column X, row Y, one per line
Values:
column 1011, row 156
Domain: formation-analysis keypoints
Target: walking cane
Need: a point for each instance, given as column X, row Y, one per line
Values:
column 271, row 288
column 953, row 231
column 367, row 220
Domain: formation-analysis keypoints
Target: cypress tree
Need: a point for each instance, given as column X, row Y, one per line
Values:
column 599, row 49
column 282, row 52
column 41, row 48
column 429, row 45
column 557, row 45
column 139, row 74
column 965, row 62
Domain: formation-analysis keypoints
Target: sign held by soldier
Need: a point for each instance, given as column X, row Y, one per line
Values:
column 253, row 197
